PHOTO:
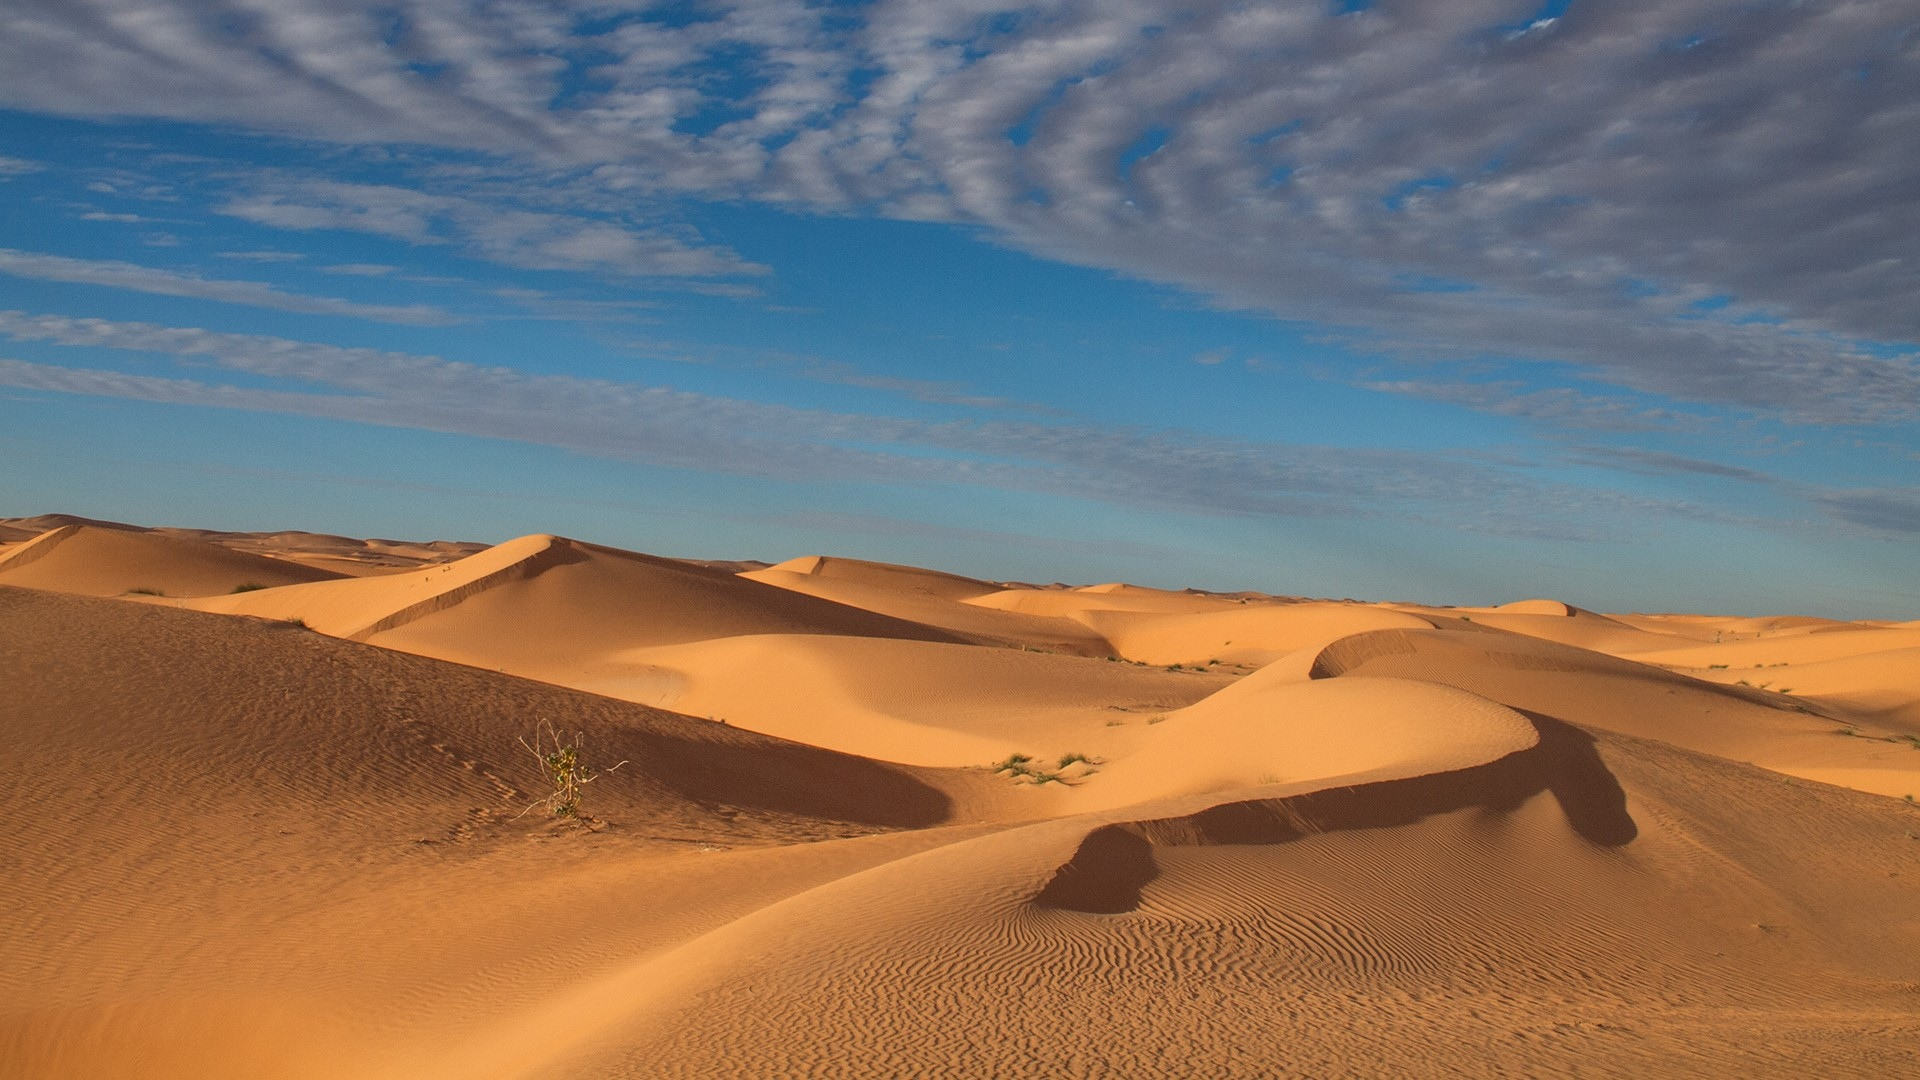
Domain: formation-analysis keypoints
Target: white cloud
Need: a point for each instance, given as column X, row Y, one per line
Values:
column 147, row 279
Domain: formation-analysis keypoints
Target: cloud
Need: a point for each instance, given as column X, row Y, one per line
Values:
column 262, row 256
column 1558, row 407
column 487, row 230
column 13, row 166
column 1178, row 470
column 1728, row 222
column 359, row 269
column 147, row 279
column 1883, row 510
column 1660, row 463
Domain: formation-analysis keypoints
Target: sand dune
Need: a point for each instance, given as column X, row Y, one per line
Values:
column 1338, row 840
column 920, row 702
column 934, row 599
column 99, row 561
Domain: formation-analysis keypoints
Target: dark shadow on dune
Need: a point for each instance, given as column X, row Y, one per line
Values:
column 791, row 778
column 1107, row 873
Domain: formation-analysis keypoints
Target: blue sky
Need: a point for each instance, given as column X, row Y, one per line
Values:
column 1455, row 302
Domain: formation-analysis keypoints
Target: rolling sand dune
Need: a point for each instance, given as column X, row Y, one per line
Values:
column 933, row 599
column 1373, row 840
column 920, row 702
column 110, row 562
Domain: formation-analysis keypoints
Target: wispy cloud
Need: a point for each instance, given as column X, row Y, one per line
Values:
column 13, row 166
column 359, row 269
column 147, row 279
column 1165, row 469
column 1560, row 407
column 488, row 230
column 1660, row 463
column 1885, row 510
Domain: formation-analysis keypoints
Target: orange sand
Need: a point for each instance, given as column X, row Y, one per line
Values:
column 1337, row 839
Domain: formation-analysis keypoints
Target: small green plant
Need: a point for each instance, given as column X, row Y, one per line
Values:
column 1015, row 764
column 1069, row 759
column 1039, row 778
column 562, row 768
column 145, row 591
column 297, row 622
column 1115, row 723
column 1155, row 719
column 1716, row 667
column 249, row 586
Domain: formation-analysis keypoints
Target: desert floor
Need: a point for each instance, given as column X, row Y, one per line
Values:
column 269, row 814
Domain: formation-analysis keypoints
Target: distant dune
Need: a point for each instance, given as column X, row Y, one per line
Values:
column 899, row 822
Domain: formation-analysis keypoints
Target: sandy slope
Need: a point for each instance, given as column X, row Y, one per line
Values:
column 1527, row 840
column 112, row 562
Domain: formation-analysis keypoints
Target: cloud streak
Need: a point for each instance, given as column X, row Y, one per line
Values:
column 1176, row 470
column 124, row 275
column 488, row 230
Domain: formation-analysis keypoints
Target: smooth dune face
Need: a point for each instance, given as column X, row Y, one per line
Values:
column 857, row 819
column 109, row 562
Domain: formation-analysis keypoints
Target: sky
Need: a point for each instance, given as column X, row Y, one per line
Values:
column 1453, row 301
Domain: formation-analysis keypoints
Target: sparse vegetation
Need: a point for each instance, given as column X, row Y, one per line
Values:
column 1115, row 723
column 297, row 621
column 562, row 768
column 1716, row 667
column 144, row 591
column 1014, row 763
column 1155, row 719
column 1046, row 778
column 1069, row 759
column 1849, row 730
column 249, row 586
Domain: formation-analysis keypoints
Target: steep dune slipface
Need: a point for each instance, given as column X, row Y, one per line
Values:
column 95, row 561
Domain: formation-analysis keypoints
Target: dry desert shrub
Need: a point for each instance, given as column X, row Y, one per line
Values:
column 562, row 768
